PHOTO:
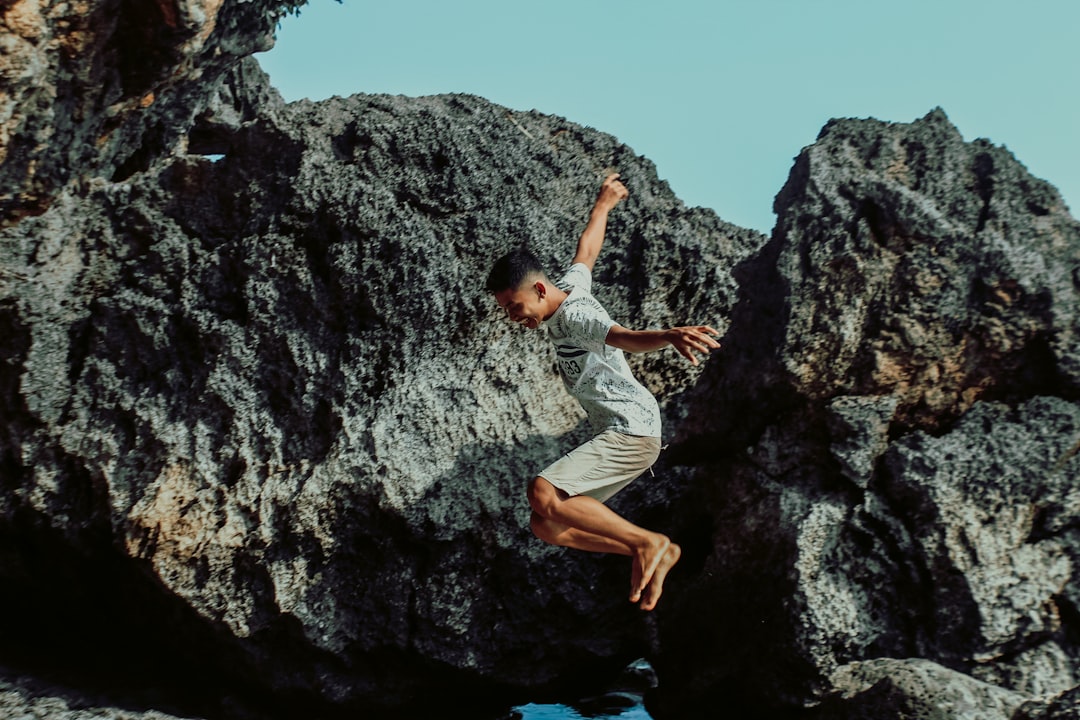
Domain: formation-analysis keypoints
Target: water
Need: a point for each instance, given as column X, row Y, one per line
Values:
column 623, row 700
column 534, row 711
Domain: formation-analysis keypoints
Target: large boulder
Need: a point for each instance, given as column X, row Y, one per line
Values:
column 888, row 688
column 891, row 467
column 273, row 384
column 924, row 268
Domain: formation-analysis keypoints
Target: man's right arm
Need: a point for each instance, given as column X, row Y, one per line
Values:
column 592, row 239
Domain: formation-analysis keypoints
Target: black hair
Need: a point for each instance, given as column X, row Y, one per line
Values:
column 512, row 269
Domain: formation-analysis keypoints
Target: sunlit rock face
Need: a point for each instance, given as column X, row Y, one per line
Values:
column 263, row 426
column 907, row 486
column 270, row 385
column 927, row 269
column 100, row 88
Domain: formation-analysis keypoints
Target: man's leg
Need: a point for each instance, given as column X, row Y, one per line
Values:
column 555, row 533
column 599, row 528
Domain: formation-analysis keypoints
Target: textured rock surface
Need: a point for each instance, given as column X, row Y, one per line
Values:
column 925, row 268
column 100, row 88
column 914, row 689
column 24, row 698
column 900, row 492
column 262, row 426
column 1062, row 707
column 275, row 385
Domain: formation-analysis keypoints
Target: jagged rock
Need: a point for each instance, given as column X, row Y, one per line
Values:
column 914, row 690
column 927, row 268
column 984, row 508
column 835, row 529
column 859, row 427
column 275, row 384
column 23, row 698
column 103, row 88
column 243, row 96
column 1065, row 706
column 1040, row 670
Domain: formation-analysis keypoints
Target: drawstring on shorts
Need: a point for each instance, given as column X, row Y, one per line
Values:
column 662, row 449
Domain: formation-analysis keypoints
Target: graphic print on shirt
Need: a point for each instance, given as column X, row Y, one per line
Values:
column 571, row 362
column 582, row 327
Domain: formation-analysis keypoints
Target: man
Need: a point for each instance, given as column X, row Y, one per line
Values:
column 567, row 498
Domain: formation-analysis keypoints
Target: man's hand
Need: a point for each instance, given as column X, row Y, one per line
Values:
column 612, row 192
column 693, row 338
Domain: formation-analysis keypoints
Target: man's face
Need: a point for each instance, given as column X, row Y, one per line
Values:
column 525, row 304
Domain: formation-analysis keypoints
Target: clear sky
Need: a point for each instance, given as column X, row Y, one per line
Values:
column 720, row 94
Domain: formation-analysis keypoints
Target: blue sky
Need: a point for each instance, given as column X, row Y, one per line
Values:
column 721, row 95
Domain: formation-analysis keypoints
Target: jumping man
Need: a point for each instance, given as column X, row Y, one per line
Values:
column 568, row 496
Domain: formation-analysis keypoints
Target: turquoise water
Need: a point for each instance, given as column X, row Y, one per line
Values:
column 535, row 711
column 623, row 700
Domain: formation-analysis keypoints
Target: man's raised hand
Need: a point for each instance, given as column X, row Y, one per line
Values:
column 612, row 191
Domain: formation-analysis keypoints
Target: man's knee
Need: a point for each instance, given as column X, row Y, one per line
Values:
column 542, row 496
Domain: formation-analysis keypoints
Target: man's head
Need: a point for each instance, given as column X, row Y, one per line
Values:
column 521, row 288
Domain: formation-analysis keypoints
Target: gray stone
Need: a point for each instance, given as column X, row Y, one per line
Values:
column 23, row 698
column 1065, row 706
column 1040, row 671
column 924, row 267
column 981, row 507
column 93, row 92
column 275, row 384
column 914, row 689
column 939, row 527
column 859, row 427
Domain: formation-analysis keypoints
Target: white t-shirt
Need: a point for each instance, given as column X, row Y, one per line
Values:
column 594, row 372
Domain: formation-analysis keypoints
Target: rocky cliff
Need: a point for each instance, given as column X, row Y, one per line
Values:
column 265, row 437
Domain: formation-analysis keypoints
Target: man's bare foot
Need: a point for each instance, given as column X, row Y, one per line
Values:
column 656, row 586
column 645, row 565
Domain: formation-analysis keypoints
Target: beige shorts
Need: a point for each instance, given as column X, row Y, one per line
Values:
column 604, row 465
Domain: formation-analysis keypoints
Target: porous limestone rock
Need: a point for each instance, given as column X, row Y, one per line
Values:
column 886, row 451
column 1065, row 706
column 926, row 268
column 859, row 428
column 100, row 88
column 913, row 689
column 274, row 384
column 24, row 698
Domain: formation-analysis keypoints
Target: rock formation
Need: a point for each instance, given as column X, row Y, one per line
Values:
column 266, row 436
column 899, row 448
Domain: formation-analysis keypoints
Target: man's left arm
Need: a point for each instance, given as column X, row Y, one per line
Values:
column 686, row 339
